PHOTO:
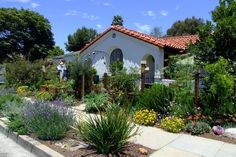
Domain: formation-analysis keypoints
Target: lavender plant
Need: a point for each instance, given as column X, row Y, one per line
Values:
column 47, row 121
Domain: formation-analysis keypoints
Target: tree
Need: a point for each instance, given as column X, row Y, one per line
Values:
column 80, row 38
column 218, row 40
column 25, row 33
column 56, row 51
column 156, row 32
column 189, row 26
column 117, row 20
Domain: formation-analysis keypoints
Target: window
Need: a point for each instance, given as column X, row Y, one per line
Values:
column 116, row 55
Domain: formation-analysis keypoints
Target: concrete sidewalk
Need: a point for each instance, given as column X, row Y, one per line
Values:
column 181, row 145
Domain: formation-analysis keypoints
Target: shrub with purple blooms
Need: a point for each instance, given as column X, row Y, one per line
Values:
column 47, row 121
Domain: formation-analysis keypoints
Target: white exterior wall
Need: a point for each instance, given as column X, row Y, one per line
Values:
column 133, row 51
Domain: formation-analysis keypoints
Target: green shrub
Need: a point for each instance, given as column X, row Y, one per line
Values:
column 121, row 83
column 172, row 124
column 70, row 100
column 23, row 91
column 17, row 124
column 8, row 99
column 145, row 117
column 78, row 69
column 197, row 128
column 218, row 95
column 23, row 72
column 158, row 98
column 183, row 105
column 44, row 95
column 108, row 133
column 96, row 102
column 47, row 121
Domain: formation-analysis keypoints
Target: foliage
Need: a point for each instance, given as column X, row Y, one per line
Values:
column 156, row 32
column 16, row 124
column 23, row 91
column 181, row 70
column 145, row 117
column 116, row 67
column 80, row 38
column 121, row 83
column 23, row 72
column 117, row 20
column 24, row 32
column 8, row 99
column 172, row 124
column 55, row 51
column 198, row 117
column 44, row 95
column 189, row 26
column 217, row 96
column 183, row 104
column 96, row 102
column 218, row 39
column 12, row 109
column 47, row 121
column 108, row 133
column 79, row 69
column 197, row 128
column 70, row 100
column 158, row 98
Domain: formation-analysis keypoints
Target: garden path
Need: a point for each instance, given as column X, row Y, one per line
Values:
column 179, row 145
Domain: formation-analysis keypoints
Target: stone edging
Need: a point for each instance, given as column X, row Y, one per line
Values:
column 28, row 143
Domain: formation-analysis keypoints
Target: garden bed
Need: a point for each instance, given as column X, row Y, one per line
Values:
column 72, row 146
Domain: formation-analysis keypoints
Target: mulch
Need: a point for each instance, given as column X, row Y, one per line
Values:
column 132, row 150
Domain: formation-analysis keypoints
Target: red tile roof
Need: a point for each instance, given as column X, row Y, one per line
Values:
column 177, row 42
column 180, row 42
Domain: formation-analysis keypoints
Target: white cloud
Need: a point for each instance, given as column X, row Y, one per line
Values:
column 144, row 28
column 150, row 13
column 106, row 4
column 87, row 16
column 83, row 15
column 99, row 26
column 164, row 13
column 19, row 1
column 72, row 13
column 35, row 5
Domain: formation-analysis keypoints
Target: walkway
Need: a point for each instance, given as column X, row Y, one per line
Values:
column 177, row 145
column 8, row 148
column 181, row 145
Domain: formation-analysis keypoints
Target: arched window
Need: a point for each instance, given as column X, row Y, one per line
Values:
column 116, row 55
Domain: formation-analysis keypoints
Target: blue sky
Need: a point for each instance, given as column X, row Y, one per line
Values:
column 66, row 16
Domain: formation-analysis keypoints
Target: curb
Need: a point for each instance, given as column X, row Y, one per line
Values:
column 29, row 143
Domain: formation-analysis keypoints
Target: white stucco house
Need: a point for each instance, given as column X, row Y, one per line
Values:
column 134, row 48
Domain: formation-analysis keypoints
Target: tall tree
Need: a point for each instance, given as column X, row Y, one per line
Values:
column 24, row 32
column 55, row 51
column 80, row 38
column 189, row 26
column 218, row 40
column 117, row 20
column 156, row 32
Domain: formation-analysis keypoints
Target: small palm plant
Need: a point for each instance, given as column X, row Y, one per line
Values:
column 108, row 133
